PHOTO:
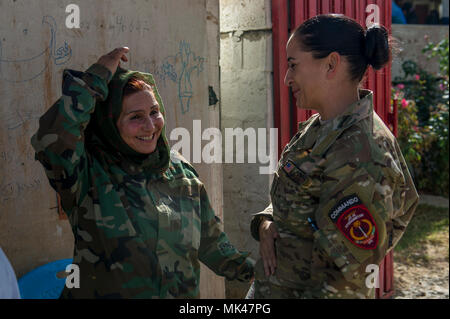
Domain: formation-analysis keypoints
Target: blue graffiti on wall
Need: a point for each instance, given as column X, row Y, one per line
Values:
column 59, row 56
column 178, row 69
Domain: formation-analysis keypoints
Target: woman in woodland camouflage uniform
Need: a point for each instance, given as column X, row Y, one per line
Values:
column 140, row 216
column 342, row 195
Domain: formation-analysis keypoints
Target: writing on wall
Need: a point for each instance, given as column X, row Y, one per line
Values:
column 179, row 68
column 34, row 66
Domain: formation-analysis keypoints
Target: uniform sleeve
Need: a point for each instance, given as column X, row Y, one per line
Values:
column 257, row 219
column 406, row 198
column 365, row 205
column 59, row 141
column 216, row 251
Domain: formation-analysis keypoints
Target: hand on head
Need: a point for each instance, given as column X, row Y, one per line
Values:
column 112, row 59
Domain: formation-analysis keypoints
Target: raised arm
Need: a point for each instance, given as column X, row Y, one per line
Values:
column 59, row 141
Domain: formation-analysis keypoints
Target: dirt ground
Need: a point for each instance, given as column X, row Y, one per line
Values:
column 422, row 272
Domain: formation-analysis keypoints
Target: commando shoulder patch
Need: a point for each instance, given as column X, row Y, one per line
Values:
column 355, row 221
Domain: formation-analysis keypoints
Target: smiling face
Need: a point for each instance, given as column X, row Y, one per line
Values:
column 140, row 123
column 304, row 76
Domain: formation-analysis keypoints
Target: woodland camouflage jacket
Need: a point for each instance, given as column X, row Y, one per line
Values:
column 137, row 234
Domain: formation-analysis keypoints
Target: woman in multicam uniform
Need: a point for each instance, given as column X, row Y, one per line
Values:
column 342, row 195
column 140, row 216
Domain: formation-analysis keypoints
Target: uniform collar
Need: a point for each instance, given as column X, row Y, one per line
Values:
column 306, row 135
column 354, row 113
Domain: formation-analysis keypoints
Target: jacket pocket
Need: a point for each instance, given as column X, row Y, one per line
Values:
column 293, row 262
column 190, row 220
column 291, row 200
column 110, row 214
column 347, row 259
column 179, row 220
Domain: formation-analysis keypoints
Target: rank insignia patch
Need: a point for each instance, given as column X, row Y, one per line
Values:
column 354, row 220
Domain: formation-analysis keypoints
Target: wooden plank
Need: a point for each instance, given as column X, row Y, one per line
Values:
column 211, row 285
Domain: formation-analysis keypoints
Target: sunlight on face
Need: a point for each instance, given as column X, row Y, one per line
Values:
column 303, row 76
column 140, row 123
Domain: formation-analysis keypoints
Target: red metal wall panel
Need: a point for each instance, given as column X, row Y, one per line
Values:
column 279, row 38
column 286, row 16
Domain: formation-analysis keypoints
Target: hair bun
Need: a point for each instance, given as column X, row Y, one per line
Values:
column 377, row 52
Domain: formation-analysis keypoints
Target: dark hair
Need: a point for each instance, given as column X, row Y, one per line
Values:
column 324, row 34
column 135, row 84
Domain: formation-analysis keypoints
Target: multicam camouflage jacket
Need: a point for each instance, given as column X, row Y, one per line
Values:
column 342, row 197
column 137, row 234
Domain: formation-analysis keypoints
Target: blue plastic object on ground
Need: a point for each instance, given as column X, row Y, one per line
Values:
column 42, row 283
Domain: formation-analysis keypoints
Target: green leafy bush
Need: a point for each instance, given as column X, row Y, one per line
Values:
column 423, row 106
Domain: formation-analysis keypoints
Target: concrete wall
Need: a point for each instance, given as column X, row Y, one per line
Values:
column 247, row 102
column 411, row 40
column 35, row 47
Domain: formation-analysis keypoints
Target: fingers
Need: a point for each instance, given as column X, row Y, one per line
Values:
column 267, row 269
column 271, row 258
column 113, row 58
column 268, row 256
column 119, row 53
column 268, row 233
column 267, row 252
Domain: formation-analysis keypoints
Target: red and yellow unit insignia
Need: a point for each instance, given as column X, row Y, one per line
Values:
column 354, row 220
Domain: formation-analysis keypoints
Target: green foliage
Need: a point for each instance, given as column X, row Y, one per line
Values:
column 410, row 138
column 439, row 50
column 421, row 87
column 423, row 120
